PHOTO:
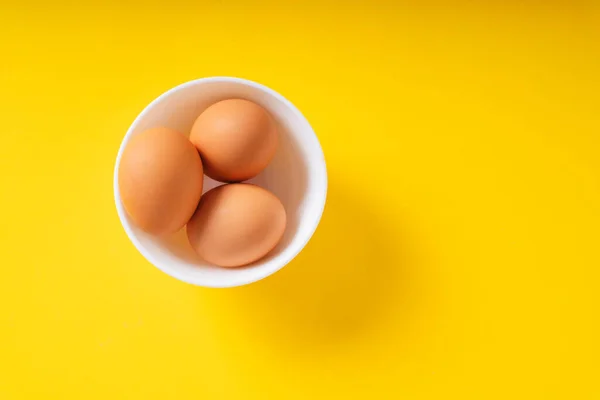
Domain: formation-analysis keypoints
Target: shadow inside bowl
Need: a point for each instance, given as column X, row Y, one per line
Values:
column 285, row 177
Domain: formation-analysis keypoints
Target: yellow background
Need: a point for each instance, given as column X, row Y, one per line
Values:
column 458, row 256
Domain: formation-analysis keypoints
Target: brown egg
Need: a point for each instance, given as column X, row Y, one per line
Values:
column 236, row 139
column 160, row 180
column 236, row 224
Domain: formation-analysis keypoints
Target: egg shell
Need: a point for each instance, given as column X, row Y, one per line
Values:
column 160, row 180
column 236, row 139
column 236, row 224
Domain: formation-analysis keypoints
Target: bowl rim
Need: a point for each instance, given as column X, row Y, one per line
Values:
column 260, row 273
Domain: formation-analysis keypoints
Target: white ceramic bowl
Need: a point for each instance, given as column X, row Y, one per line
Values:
column 297, row 175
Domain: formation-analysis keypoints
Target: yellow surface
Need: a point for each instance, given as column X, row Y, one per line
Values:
column 459, row 253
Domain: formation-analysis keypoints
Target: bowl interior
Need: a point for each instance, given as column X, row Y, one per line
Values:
column 296, row 175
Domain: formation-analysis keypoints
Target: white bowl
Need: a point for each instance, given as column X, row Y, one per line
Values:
column 297, row 175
